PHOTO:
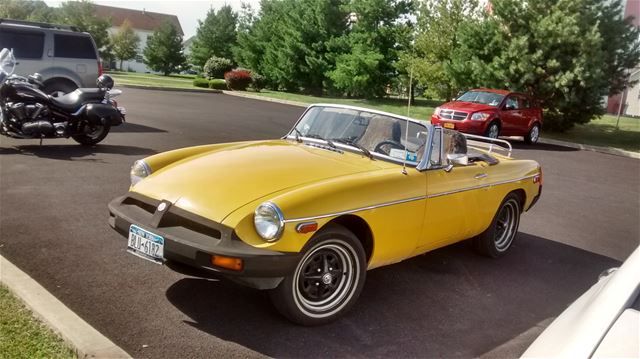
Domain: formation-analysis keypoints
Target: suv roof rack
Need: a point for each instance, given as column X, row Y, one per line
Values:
column 39, row 24
column 491, row 144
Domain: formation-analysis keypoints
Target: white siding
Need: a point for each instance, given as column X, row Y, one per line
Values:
column 136, row 65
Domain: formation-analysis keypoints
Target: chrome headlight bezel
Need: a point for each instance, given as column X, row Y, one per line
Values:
column 139, row 171
column 268, row 214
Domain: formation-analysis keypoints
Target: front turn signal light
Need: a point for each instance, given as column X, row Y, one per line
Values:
column 234, row 264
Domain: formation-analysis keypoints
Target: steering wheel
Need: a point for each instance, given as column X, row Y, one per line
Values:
column 391, row 143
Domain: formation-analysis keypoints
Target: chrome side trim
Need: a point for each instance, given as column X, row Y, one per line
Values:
column 311, row 218
column 434, row 195
column 355, row 210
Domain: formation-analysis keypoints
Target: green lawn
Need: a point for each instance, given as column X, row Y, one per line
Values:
column 171, row 81
column 23, row 336
column 603, row 132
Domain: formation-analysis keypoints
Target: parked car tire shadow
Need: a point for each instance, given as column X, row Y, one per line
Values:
column 446, row 303
column 74, row 152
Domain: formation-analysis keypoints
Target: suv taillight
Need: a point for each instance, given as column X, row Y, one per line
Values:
column 99, row 67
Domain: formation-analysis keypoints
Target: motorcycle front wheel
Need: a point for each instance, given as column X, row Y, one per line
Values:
column 93, row 136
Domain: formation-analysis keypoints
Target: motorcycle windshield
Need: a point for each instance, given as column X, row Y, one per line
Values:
column 7, row 61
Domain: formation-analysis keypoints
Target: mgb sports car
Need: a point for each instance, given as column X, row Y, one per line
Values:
column 348, row 189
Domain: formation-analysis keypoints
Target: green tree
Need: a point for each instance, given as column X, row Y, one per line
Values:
column 164, row 52
column 437, row 25
column 367, row 53
column 81, row 15
column 566, row 53
column 290, row 40
column 216, row 35
column 32, row 10
column 125, row 43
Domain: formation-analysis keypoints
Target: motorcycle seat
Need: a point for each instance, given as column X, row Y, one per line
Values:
column 74, row 100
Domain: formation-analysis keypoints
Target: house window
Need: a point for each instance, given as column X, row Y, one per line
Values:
column 139, row 58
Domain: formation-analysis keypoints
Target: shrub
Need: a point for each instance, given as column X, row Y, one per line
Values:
column 257, row 81
column 218, row 84
column 238, row 79
column 200, row 82
column 216, row 67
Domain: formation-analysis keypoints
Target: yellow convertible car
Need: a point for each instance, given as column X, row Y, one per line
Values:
column 305, row 216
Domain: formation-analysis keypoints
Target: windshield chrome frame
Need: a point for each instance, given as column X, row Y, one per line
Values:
column 291, row 135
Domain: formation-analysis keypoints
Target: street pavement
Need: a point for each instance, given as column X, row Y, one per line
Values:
column 447, row 303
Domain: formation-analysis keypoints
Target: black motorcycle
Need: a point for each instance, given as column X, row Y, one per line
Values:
column 86, row 114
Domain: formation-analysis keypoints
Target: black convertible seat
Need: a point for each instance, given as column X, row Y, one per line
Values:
column 73, row 100
column 478, row 156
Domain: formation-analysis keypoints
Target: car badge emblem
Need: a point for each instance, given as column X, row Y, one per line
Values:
column 162, row 206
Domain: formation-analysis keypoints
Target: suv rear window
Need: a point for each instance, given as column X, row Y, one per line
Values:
column 25, row 44
column 73, row 46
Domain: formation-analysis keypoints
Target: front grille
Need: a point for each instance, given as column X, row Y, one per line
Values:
column 453, row 115
column 174, row 220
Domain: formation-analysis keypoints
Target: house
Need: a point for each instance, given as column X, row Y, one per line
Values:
column 628, row 102
column 143, row 22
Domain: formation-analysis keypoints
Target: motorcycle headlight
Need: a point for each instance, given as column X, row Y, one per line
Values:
column 480, row 116
column 269, row 221
column 139, row 171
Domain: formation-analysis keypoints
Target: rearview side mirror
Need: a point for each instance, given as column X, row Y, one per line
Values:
column 458, row 159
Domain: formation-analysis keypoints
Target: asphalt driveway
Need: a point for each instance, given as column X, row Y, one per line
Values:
column 450, row 302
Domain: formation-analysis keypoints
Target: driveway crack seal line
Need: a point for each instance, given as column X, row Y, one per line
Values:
column 86, row 340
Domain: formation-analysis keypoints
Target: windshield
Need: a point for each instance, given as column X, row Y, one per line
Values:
column 485, row 98
column 367, row 132
column 7, row 61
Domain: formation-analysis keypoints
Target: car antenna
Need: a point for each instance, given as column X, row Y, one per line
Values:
column 406, row 132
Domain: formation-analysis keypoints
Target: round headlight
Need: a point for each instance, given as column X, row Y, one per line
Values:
column 139, row 170
column 269, row 221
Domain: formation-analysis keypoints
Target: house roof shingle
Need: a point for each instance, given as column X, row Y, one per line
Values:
column 139, row 19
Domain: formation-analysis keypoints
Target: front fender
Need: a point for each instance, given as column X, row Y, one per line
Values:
column 391, row 203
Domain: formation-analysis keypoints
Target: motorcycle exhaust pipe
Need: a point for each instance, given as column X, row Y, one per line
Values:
column 37, row 128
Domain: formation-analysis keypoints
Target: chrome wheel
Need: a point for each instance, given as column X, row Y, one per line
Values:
column 507, row 225
column 326, row 278
column 493, row 131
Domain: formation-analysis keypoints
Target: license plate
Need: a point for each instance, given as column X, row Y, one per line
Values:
column 449, row 125
column 145, row 244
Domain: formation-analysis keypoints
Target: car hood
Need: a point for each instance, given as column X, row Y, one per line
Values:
column 215, row 183
column 467, row 106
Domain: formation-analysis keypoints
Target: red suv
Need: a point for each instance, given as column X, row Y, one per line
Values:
column 492, row 113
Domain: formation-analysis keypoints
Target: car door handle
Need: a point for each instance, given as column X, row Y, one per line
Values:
column 481, row 175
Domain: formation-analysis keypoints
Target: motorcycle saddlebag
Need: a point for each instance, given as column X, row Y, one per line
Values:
column 95, row 112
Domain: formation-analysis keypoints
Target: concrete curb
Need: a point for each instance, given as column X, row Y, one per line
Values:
column 607, row 150
column 86, row 340
column 157, row 88
column 267, row 99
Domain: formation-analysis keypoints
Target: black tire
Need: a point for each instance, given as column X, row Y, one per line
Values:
column 307, row 298
column 497, row 239
column 533, row 135
column 493, row 126
column 92, row 138
column 59, row 88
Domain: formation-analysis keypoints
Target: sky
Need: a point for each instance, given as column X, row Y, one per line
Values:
column 188, row 12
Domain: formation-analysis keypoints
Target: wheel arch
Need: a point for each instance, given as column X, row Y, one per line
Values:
column 60, row 79
column 360, row 228
column 522, row 196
